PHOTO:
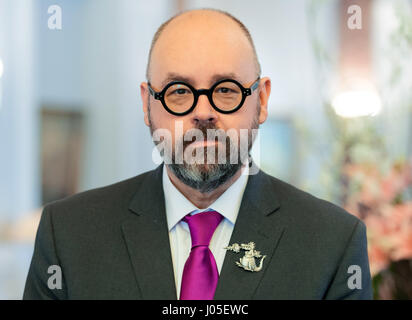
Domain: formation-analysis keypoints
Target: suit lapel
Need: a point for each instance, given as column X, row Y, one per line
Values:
column 146, row 236
column 259, row 220
column 147, row 239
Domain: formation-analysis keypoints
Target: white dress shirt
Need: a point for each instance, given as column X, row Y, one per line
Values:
column 178, row 206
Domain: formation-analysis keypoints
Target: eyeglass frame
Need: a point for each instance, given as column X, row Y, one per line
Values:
column 207, row 92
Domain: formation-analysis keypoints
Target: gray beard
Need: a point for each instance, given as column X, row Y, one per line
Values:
column 206, row 178
column 204, row 181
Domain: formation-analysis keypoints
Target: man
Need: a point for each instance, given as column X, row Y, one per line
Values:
column 200, row 230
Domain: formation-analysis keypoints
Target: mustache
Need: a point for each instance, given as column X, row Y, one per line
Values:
column 217, row 134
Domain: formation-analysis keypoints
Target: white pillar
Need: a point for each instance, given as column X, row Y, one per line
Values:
column 19, row 189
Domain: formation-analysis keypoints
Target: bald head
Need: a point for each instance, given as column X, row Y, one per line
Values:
column 196, row 50
column 201, row 33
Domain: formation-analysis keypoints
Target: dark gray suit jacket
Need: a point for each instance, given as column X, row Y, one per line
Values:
column 113, row 243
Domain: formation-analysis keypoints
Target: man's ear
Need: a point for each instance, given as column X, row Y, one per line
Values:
column 264, row 93
column 144, row 95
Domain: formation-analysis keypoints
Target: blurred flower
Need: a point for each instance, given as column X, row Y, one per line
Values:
column 377, row 197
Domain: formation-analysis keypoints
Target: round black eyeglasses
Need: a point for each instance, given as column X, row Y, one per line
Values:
column 225, row 96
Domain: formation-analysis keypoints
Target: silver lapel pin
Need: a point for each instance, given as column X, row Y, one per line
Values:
column 248, row 261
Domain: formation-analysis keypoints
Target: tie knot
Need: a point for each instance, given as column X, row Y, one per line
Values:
column 202, row 226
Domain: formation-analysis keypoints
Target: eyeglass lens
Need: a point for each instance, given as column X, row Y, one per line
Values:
column 226, row 96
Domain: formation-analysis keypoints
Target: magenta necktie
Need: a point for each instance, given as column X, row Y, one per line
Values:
column 200, row 273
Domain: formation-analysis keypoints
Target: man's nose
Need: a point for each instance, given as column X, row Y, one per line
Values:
column 204, row 112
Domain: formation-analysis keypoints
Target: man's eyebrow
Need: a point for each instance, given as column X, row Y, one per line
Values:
column 221, row 76
column 172, row 76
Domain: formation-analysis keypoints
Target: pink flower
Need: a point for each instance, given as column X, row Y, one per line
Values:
column 402, row 246
column 371, row 197
column 378, row 259
column 396, row 181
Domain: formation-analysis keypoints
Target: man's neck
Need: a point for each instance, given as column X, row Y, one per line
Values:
column 199, row 199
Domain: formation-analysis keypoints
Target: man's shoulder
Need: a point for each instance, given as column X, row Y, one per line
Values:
column 113, row 198
column 303, row 207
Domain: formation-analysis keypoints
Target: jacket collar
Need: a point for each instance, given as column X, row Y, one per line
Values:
column 147, row 239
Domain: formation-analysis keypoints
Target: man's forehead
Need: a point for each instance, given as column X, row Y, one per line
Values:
column 197, row 45
column 192, row 80
column 175, row 44
column 202, row 64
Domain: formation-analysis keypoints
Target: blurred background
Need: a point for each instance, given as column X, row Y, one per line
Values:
column 340, row 112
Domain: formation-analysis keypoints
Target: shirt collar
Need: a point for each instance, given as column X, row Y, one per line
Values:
column 228, row 204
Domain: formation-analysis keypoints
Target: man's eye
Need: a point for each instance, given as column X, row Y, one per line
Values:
column 180, row 91
column 224, row 90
